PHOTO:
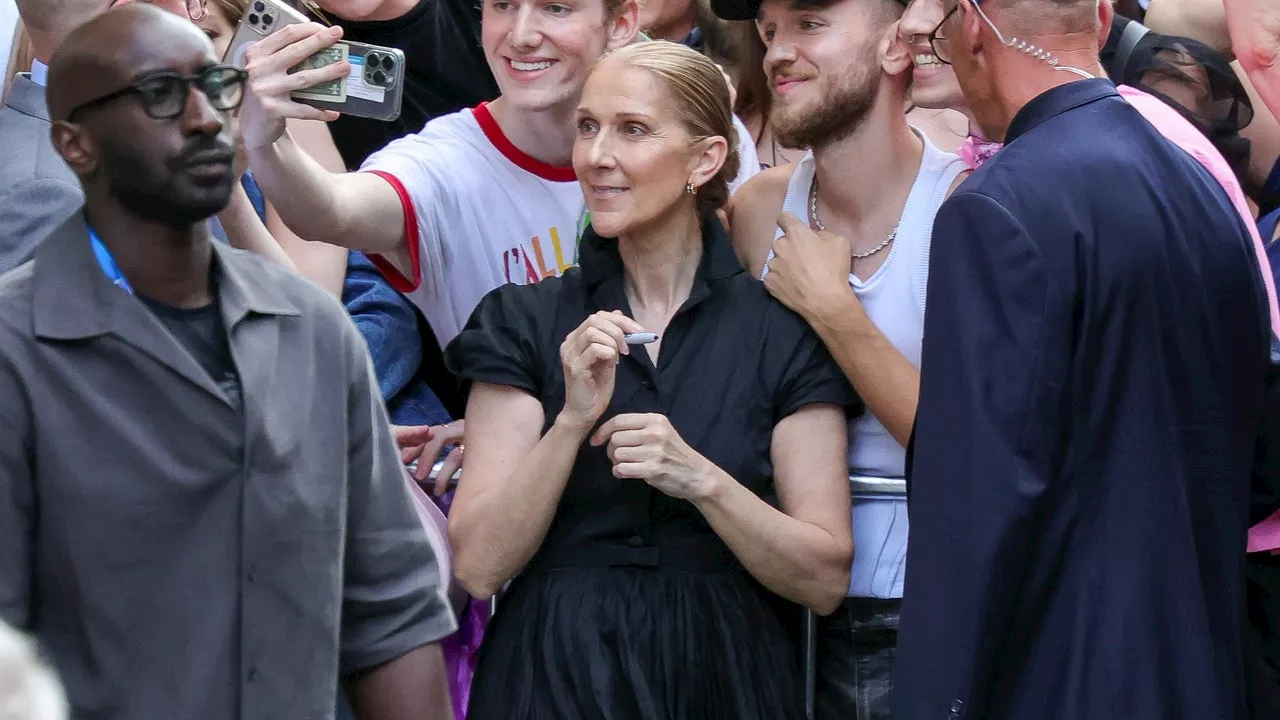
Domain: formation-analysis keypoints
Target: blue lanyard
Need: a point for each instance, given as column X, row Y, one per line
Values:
column 108, row 263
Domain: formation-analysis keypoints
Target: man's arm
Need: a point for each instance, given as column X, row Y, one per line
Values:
column 1202, row 20
column 17, row 501
column 995, row 362
column 356, row 210
column 809, row 274
column 29, row 212
column 753, row 216
column 397, row 691
column 323, row 263
column 394, row 609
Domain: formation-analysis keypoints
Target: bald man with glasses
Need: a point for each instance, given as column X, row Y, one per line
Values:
column 37, row 190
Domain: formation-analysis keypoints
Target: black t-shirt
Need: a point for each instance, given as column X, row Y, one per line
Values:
column 733, row 363
column 201, row 332
column 445, row 72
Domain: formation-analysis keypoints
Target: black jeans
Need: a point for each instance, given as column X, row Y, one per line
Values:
column 856, row 647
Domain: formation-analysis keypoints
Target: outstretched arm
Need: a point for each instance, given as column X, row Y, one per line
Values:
column 356, row 210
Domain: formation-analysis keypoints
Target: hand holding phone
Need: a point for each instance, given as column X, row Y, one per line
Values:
column 269, row 101
column 275, row 40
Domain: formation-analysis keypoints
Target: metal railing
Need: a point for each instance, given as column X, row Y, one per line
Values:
column 861, row 485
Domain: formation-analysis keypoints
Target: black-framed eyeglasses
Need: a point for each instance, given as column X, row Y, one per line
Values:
column 942, row 45
column 164, row 95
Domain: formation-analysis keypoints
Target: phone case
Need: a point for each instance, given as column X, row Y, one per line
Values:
column 261, row 18
column 375, row 85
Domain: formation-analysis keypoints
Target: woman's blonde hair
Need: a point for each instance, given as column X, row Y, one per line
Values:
column 700, row 97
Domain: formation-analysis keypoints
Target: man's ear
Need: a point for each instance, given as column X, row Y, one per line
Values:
column 970, row 25
column 624, row 25
column 895, row 54
column 75, row 146
column 1106, row 16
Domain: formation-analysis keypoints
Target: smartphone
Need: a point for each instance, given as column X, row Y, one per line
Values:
column 374, row 87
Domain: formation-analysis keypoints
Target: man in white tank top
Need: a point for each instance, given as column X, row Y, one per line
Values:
column 839, row 76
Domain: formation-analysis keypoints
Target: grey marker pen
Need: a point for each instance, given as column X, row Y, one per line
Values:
column 640, row 338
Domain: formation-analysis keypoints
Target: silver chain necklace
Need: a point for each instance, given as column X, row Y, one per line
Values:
column 813, row 218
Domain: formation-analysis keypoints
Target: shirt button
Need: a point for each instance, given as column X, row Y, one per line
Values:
column 251, row 574
column 635, row 541
column 253, row 674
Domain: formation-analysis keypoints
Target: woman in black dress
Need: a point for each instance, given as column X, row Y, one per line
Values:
column 648, row 499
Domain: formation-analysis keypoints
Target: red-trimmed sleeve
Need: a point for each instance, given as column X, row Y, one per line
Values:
column 411, row 238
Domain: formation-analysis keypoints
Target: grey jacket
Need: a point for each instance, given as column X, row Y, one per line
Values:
column 38, row 192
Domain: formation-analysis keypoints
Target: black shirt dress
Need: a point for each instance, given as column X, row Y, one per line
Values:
column 633, row 607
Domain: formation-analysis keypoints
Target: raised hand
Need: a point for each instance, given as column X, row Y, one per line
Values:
column 808, row 268
column 589, row 357
column 267, row 101
column 647, row 447
column 424, row 444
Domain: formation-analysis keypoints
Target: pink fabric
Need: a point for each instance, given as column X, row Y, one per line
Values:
column 1266, row 534
column 1185, row 135
column 976, row 150
column 462, row 648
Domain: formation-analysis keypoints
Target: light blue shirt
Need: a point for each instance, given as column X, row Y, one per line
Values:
column 39, row 73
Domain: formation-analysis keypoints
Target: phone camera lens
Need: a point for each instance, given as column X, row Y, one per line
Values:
column 388, row 64
column 259, row 7
column 379, row 77
column 253, row 18
column 268, row 20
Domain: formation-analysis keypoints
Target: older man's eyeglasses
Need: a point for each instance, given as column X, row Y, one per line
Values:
column 164, row 96
column 941, row 44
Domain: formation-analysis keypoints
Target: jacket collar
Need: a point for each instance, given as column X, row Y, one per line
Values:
column 72, row 299
column 28, row 98
column 1056, row 101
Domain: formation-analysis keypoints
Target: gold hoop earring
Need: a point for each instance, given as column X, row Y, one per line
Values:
column 691, row 189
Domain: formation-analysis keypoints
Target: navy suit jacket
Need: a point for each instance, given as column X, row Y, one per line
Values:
column 1095, row 352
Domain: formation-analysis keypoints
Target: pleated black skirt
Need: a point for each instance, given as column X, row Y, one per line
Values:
column 636, row 644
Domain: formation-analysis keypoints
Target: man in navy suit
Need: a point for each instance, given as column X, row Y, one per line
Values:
column 1092, row 380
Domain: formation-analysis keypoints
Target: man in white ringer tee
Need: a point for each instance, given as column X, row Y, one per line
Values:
column 839, row 76
column 478, row 198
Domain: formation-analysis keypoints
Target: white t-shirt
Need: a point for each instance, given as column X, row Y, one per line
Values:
column 479, row 213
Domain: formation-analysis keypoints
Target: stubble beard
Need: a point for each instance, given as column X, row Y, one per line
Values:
column 846, row 102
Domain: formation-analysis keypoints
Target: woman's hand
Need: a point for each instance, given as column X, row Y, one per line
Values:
column 647, row 447
column 424, row 444
column 589, row 357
